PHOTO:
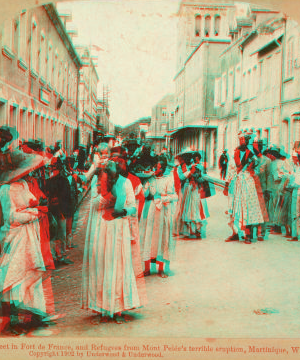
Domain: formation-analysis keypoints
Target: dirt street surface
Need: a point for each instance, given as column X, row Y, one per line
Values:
column 218, row 290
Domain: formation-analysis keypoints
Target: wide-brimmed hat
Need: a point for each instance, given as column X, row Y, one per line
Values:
column 9, row 133
column 31, row 146
column 278, row 152
column 188, row 153
column 17, row 165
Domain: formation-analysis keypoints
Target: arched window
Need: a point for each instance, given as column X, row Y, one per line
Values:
column 217, row 25
column 207, row 25
column 198, row 25
column 34, row 45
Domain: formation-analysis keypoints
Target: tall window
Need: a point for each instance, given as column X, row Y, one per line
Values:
column 217, row 25
column 43, row 55
column 198, row 25
column 75, row 92
column 22, row 36
column 207, row 26
column 237, row 82
column 253, row 83
column 261, row 74
column 244, row 85
column 296, row 129
column 224, row 88
column 285, row 135
column 50, row 63
column 217, row 92
column 3, row 116
column 290, row 58
column 56, row 72
column 248, row 84
column 267, row 136
column 8, row 34
column 34, row 45
column 61, row 77
column 230, row 86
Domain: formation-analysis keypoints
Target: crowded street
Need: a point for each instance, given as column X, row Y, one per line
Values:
column 149, row 178
column 218, row 290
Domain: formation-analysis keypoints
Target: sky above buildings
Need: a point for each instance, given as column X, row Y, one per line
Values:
column 136, row 41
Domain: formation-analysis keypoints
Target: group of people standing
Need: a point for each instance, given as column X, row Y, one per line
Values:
column 262, row 186
column 140, row 204
column 137, row 197
column 39, row 193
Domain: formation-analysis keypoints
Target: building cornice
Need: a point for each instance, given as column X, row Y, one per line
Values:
column 56, row 20
column 202, row 5
column 208, row 41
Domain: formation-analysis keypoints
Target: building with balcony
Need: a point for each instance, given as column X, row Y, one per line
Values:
column 39, row 70
column 289, row 127
column 220, row 55
column 203, row 33
column 259, row 83
column 246, row 94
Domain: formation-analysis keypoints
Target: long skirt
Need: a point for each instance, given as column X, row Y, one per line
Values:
column 109, row 283
column 22, row 269
column 194, row 213
column 246, row 208
column 156, row 228
column 295, row 212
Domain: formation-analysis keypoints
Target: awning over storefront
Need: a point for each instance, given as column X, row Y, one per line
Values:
column 188, row 127
column 155, row 137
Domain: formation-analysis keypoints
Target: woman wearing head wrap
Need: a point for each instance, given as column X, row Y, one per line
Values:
column 195, row 212
column 156, row 226
column 246, row 208
column 109, row 282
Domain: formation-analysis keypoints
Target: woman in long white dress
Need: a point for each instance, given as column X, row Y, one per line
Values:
column 156, row 227
column 109, row 283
